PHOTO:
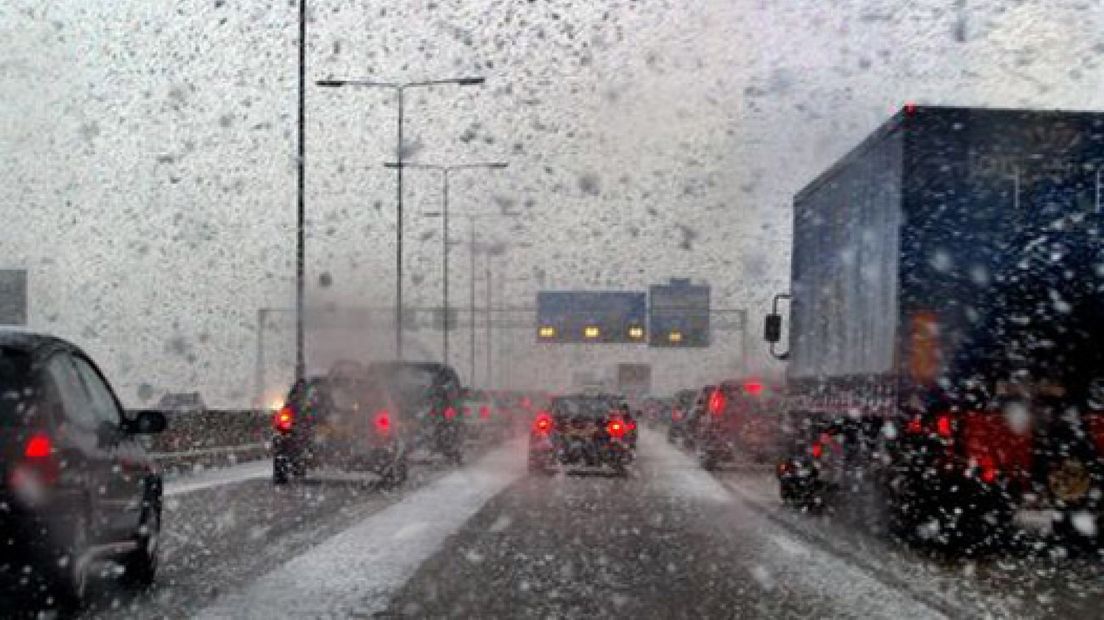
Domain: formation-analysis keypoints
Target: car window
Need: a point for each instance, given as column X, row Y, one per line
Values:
column 16, row 395
column 102, row 403
column 75, row 400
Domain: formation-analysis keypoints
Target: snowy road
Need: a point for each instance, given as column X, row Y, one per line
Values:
column 489, row 540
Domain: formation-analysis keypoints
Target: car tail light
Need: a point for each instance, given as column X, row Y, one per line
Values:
column 484, row 412
column 817, row 449
column 943, row 425
column 753, row 387
column 631, row 426
column 717, row 402
column 38, row 447
column 450, row 413
column 615, row 428
column 284, row 419
column 676, row 415
column 383, row 420
column 543, row 423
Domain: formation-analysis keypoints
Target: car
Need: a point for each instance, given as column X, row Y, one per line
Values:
column 430, row 393
column 481, row 414
column 677, row 414
column 582, row 431
column 741, row 419
column 347, row 420
column 77, row 486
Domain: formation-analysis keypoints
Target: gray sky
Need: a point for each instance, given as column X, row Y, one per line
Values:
column 148, row 153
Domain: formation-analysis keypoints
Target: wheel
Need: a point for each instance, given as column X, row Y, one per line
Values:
column 141, row 564
column 281, row 470
column 70, row 580
column 299, row 468
column 396, row 473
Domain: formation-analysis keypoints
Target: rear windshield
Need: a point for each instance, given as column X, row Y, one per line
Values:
column 15, row 387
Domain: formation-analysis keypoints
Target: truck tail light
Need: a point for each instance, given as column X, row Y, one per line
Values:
column 284, row 419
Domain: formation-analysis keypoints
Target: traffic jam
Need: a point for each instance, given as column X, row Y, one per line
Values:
column 745, row 310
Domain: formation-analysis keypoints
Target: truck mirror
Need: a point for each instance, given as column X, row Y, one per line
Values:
column 772, row 328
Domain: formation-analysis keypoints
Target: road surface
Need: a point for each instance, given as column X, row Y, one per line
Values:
column 489, row 540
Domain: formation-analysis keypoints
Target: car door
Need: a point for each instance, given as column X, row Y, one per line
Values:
column 84, row 447
column 123, row 485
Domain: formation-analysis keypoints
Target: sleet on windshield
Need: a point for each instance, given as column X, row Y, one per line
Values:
column 552, row 309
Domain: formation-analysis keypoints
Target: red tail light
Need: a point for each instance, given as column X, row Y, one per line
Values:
column 717, row 402
column 543, row 423
column 818, row 449
column 676, row 415
column 38, row 447
column 914, row 426
column 753, row 387
column 484, row 412
column 987, row 469
column 284, row 419
column 383, row 420
column 943, row 425
column 631, row 426
column 450, row 413
column 616, row 429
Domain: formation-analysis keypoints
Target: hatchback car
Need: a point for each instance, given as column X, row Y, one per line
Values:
column 76, row 485
column 582, row 431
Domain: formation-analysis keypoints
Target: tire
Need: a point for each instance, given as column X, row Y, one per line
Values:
column 299, row 468
column 395, row 474
column 141, row 564
column 70, row 580
column 281, row 470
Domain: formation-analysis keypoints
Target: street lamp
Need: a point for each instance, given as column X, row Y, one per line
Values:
column 445, row 170
column 400, row 88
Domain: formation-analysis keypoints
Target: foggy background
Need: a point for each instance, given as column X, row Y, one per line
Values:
column 148, row 159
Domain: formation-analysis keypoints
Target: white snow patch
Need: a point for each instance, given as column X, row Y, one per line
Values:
column 210, row 478
column 356, row 572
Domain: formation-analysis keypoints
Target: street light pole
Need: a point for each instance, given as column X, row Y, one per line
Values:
column 300, row 228
column 444, row 214
column 400, row 89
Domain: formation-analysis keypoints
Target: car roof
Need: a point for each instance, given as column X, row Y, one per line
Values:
column 32, row 342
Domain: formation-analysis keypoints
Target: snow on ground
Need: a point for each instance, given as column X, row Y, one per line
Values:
column 844, row 587
column 221, row 476
column 355, row 572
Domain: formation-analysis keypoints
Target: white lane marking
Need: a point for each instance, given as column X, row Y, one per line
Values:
column 222, row 476
column 356, row 572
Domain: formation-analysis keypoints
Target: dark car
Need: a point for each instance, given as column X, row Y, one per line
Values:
column 344, row 420
column 76, row 485
column 431, row 394
column 678, row 413
column 583, row 431
column 360, row 418
column 741, row 419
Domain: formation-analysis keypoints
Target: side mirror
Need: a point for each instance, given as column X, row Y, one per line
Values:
column 772, row 328
column 147, row 422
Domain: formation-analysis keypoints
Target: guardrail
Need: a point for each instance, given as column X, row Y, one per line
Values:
column 211, row 437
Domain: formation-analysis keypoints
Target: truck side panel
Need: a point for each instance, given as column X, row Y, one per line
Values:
column 844, row 269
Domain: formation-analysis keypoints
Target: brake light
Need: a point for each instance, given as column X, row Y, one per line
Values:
column 543, row 423
column 616, row 429
column 383, row 421
column 943, row 425
column 818, row 449
column 753, row 387
column 676, row 415
column 284, row 419
column 717, row 402
column 38, row 447
column 988, row 469
column 484, row 412
column 450, row 413
column 914, row 426
column 630, row 425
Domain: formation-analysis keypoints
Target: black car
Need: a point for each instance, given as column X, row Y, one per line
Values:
column 582, row 431
column 360, row 418
column 76, row 485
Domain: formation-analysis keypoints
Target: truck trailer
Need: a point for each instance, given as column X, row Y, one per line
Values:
column 946, row 333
